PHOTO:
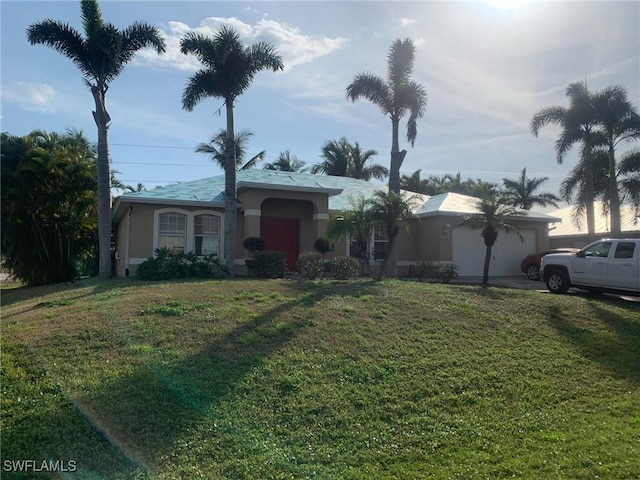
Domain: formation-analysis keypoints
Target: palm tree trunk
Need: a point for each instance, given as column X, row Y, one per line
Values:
column 614, row 198
column 487, row 262
column 588, row 193
column 102, row 119
column 389, row 267
column 394, row 167
column 230, row 206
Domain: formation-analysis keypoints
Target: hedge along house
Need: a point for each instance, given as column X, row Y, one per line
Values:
column 290, row 211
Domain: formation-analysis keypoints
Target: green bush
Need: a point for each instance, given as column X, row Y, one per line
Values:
column 253, row 244
column 323, row 246
column 267, row 264
column 310, row 265
column 345, row 267
column 444, row 272
column 168, row 266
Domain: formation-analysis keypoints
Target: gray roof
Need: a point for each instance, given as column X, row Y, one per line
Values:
column 341, row 191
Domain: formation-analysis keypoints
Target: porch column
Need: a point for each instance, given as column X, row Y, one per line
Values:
column 252, row 222
column 321, row 220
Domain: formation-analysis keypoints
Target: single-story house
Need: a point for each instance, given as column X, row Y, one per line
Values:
column 290, row 211
column 571, row 233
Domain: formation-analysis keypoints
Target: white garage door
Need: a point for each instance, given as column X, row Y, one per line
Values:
column 469, row 251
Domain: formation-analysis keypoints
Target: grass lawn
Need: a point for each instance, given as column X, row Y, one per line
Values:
column 278, row 379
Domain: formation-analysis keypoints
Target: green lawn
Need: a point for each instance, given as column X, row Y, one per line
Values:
column 278, row 379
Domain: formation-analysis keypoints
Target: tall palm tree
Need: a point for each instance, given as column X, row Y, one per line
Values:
column 287, row 163
column 344, row 159
column 572, row 188
column 522, row 192
column 618, row 122
column 229, row 69
column 216, row 149
column 578, row 122
column 101, row 55
column 396, row 97
column 495, row 214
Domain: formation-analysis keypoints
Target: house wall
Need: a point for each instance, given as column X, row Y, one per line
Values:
column 139, row 234
column 579, row 241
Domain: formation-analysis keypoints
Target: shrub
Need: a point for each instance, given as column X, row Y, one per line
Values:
column 267, row 264
column 442, row 271
column 253, row 244
column 323, row 246
column 345, row 267
column 168, row 266
column 310, row 265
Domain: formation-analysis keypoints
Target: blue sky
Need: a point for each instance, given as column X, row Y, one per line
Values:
column 487, row 70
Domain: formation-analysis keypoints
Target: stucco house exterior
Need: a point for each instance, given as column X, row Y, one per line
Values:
column 290, row 211
column 569, row 233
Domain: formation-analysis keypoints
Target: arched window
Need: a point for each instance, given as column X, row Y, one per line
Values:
column 172, row 231
column 206, row 232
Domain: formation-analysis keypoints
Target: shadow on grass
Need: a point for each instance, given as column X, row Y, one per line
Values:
column 136, row 419
column 615, row 347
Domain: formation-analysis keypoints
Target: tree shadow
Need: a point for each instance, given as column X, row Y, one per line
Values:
column 138, row 418
column 615, row 347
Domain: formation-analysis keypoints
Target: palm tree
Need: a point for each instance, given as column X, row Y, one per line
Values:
column 396, row 97
column 101, row 56
column 286, row 163
column 522, row 192
column 578, row 123
column 413, row 183
column 343, row 159
column 391, row 212
column 216, row 149
column 572, row 188
column 495, row 214
column 618, row 122
column 357, row 223
column 229, row 69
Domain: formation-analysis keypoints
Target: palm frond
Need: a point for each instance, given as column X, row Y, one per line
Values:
column 400, row 61
column 140, row 35
column 202, row 47
column 545, row 116
column 199, row 86
column 372, row 88
column 254, row 161
column 64, row 39
column 91, row 17
column 264, row 56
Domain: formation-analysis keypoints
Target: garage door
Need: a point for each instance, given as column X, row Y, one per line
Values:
column 469, row 251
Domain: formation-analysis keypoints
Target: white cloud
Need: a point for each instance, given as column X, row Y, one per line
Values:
column 294, row 47
column 35, row 97
column 407, row 21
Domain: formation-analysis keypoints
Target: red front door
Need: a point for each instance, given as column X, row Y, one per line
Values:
column 282, row 235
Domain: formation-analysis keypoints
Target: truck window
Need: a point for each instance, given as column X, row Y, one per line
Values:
column 624, row 250
column 598, row 250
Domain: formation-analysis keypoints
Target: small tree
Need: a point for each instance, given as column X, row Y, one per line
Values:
column 387, row 210
column 323, row 246
column 494, row 214
column 391, row 212
column 253, row 244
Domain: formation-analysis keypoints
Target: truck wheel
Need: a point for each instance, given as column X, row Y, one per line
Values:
column 533, row 272
column 558, row 281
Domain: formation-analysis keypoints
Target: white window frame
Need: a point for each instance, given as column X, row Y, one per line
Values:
column 370, row 246
column 190, row 235
column 219, row 234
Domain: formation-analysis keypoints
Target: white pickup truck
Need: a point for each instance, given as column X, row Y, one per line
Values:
column 609, row 265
